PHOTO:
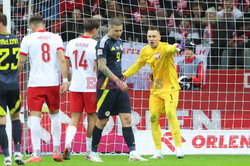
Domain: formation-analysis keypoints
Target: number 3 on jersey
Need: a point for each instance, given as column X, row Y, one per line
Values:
column 45, row 52
column 81, row 62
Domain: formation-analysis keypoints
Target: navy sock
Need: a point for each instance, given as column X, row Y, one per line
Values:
column 96, row 138
column 4, row 141
column 129, row 138
column 17, row 134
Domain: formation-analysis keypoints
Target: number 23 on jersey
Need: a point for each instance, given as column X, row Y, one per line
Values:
column 5, row 53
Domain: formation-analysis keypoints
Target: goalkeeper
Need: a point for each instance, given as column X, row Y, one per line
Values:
column 165, row 89
column 190, row 70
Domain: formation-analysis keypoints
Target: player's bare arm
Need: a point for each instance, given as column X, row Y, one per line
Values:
column 64, row 66
column 108, row 73
column 105, row 70
column 95, row 69
column 63, row 63
column 22, row 60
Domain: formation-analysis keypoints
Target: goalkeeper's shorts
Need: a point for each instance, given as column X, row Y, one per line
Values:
column 10, row 98
column 159, row 102
column 112, row 102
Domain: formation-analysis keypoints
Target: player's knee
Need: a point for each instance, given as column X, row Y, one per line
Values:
column 101, row 123
column 153, row 119
column 171, row 114
column 2, row 120
column 127, row 121
column 15, row 116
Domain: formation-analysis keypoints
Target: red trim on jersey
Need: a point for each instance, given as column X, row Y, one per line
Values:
column 197, row 81
column 23, row 53
column 59, row 48
column 41, row 30
column 200, row 72
column 189, row 60
column 200, row 75
column 85, row 36
column 66, row 57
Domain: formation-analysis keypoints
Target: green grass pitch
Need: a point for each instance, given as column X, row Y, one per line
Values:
column 122, row 160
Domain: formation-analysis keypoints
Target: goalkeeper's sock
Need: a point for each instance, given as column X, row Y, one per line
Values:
column 96, row 137
column 174, row 125
column 4, row 141
column 56, row 131
column 36, row 134
column 70, row 134
column 17, row 134
column 156, row 129
column 128, row 136
column 88, row 143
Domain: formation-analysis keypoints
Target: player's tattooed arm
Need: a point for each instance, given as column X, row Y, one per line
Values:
column 22, row 60
column 108, row 73
column 102, row 66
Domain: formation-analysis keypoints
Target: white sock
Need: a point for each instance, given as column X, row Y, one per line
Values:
column 56, row 128
column 88, row 143
column 70, row 134
column 36, row 134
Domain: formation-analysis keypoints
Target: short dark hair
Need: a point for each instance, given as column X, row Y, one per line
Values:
column 37, row 19
column 3, row 19
column 189, row 44
column 90, row 24
column 153, row 28
column 115, row 21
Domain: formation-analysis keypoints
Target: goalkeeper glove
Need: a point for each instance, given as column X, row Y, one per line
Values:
column 185, row 79
column 180, row 47
column 184, row 82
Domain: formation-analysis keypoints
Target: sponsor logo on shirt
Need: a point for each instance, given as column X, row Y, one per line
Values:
column 99, row 52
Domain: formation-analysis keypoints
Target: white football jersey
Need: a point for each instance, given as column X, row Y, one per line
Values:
column 41, row 47
column 82, row 54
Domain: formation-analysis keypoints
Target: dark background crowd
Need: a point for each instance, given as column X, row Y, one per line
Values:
column 222, row 24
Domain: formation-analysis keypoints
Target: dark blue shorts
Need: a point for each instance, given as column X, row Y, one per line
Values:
column 10, row 98
column 112, row 102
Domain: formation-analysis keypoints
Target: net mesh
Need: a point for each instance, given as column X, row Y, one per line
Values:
column 220, row 30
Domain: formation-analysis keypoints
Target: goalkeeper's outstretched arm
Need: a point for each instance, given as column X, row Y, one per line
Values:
column 132, row 70
column 137, row 66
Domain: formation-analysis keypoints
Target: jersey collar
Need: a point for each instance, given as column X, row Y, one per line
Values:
column 190, row 60
column 41, row 30
column 85, row 36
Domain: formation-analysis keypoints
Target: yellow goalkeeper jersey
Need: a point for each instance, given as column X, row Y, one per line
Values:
column 161, row 62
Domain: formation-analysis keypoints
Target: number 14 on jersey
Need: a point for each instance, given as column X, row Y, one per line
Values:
column 82, row 62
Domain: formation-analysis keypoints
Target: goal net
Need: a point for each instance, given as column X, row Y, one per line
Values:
column 213, row 113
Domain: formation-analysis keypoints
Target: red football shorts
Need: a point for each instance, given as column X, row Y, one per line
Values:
column 81, row 100
column 36, row 96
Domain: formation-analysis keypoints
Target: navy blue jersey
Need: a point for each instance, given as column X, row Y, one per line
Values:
column 110, row 49
column 9, row 56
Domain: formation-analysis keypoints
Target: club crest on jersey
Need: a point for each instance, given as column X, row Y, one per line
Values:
column 113, row 48
column 121, row 47
column 157, row 56
column 99, row 52
column 107, row 113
